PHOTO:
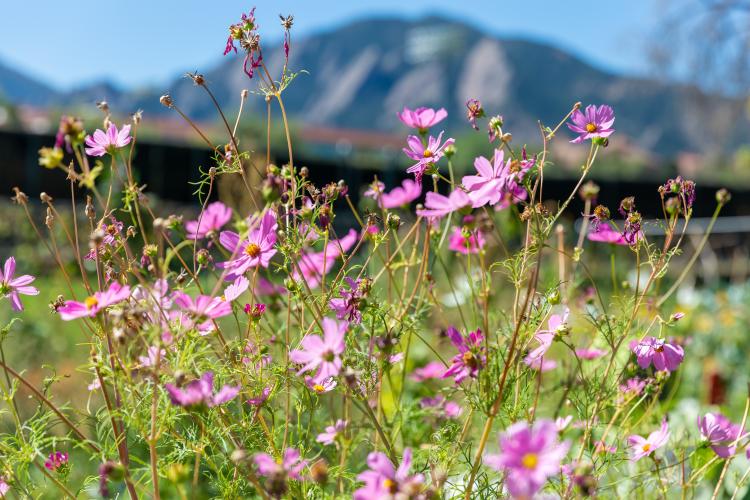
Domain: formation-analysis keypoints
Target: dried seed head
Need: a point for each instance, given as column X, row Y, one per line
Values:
column 90, row 211
column 45, row 198
column 49, row 221
column 287, row 22
column 137, row 116
column 244, row 93
column 20, row 197
column 166, row 100
column 103, row 106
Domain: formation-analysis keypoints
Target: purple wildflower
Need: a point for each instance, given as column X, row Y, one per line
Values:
column 663, row 355
column 323, row 354
column 204, row 306
column 595, row 122
column 332, row 431
column 209, row 222
column 466, row 241
column 290, row 465
column 383, row 480
column 720, row 433
column 256, row 250
column 425, row 156
column 433, row 369
column 347, row 307
column 471, row 355
column 102, row 143
column 57, row 461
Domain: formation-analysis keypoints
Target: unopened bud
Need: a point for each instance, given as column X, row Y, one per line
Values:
column 45, row 197
column 723, row 196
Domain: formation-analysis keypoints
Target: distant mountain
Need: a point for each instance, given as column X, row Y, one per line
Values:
column 359, row 75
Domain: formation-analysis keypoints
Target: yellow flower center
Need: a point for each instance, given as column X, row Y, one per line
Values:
column 646, row 447
column 390, row 485
column 590, row 127
column 318, row 388
column 427, row 153
column 469, row 359
column 253, row 250
column 91, row 302
column 659, row 348
column 529, row 460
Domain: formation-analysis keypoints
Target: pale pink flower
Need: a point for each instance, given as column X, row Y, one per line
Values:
column 153, row 354
column 204, row 306
column 556, row 326
column 200, row 392
column 290, row 465
column 374, row 191
column 437, row 205
column 213, row 218
column 641, row 447
column 332, row 431
column 91, row 306
column 237, row 288
column 399, row 196
column 322, row 353
column 432, row 370
column 13, row 287
column 593, row 122
column 383, row 481
column 589, row 353
column 425, row 156
column 107, row 142
column 321, row 387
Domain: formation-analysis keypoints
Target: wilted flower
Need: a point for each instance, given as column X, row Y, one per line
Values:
column 383, row 480
column 404, row 194
column 595, row 122
column 471, row 355
column 474, row 110
column 720, row 433
column 323, row 353
column 529, row 455
column 91, row 306
column 212, row 219
column 422, row 118
column 14, row 287
column 347, row 307
column 332, row 432
column 102, row 143
column 642, row 447
column 200, row 393
column 663, row 355
column 425, row 156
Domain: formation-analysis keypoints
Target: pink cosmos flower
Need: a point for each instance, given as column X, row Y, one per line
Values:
column 204, row 306
column 256, row 250
column 315, row 264
column 542, row 364
column 321, row 387
column 323, row 354
column 111, row 233
column 290, row 465
column 384, row 481
column 14, row 287
column 332, row 432
column 399, row 196
column 664, row 356
column 471, row 355
column 437, row 205
column 425, row 156
column 213, row 218
column 237, row 288
column 102, row 143
column 512, row 194
column 261, row 398
column 91, row 306
column 562, row 422
column 633, row 386
column 594, row 122
column 153, row 353
column 720, row 433
column 590, row 353
column 4, row 487
column 466, row 241
column 642, row 447
column 374, row 191
column 56, row 461
column 200, row 392
column 487, row 186
column 422, row 118
column 556, row 326
column 445, row 409
column 529, row 456
column 433, row 369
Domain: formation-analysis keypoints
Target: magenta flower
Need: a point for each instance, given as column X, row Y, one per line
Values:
column 529, row 456
column 445, row 409
column 290, row 465
column 425, row 156
column 91, row 306
column 204, row 306
column 102, row 143
column 56, row 461
column 664, row 356
column 633, row 386
column 641, row 447
column 323, row 354
column 399, row 196
column 374, row 191
column 111, row 235
column 210, row 221
column 720, row 433
column 383, row 480
column 471, row 355
column 488, row 185
column 255, row 251
column 200, row 393
column 589, row 353
column 422, row 118
column 332, row 431
column 347, row 307
column 466, row 241
column 605, row 234
column 433, row 369
column 314, row 265
column 594, row 122
column 321, row 387
column 14, row 287
column 261, row 398
column 437, row 205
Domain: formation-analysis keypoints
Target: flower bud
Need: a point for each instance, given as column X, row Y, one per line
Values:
column 319, row 472
column 589, row 191
column 723, row 196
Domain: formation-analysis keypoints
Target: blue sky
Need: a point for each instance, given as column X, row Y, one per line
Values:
column 139, row 42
